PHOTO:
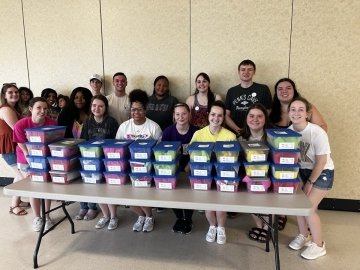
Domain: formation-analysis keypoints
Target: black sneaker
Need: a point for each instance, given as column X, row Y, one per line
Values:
column 187, row 227
column 178, row 227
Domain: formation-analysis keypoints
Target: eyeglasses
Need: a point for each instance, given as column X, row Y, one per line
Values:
column 141, row 109
column 12, row 83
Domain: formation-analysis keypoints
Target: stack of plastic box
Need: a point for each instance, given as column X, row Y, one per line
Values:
column 201, row 165
column 141, row 162
column 285, row 145
column 256, row 166
column 166, row 164
column 64, row 160
column 116, row 161
column 227, row 166
column 38, row 149
column 91, row 161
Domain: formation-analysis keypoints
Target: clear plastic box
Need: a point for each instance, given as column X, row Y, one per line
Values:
column 64, row 177
column 285, row 156
column 167, row 151
column 91, row 164
column 227, row 169
column 227, row 184
column 116, row 178
column 165, row 168
column 39, row 175
column 141, row 179
column 114, row 149
column 92, row 177
column 285, row 186
column 200, row 182
column 141, row 149
column 285, row 171
column 227, row 152
column 92, row 148
column 116, row 165
column 64, row 164
column 165, row 182
column 140, row 166
column 46, row 134
column 255, row 151
column 257, row 185
column 256, row 169
column 38, row 149
column 200, row 151
column 65, row 148
column 40, row 163
column 283, row 138
column 201, row 168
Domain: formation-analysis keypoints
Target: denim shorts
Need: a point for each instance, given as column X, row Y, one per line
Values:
column 23, row 167
column 325, row 180
column 9, row 158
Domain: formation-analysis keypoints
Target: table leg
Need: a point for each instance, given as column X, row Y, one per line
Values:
column 276, row 241
column 63, row 204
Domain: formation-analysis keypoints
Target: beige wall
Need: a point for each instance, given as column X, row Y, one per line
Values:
column 146, row 38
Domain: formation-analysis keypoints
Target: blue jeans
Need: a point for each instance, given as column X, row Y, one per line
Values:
column 85, row 205
column 9, row 158
column 325, row 180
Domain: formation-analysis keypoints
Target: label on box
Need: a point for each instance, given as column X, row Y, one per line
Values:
column 113, row 181
column 200, row 158
column 227, row 174
column 257, row 188
column 113, row 168
column 90, row 180
column 165, row 158
column 165, row 172
column 58, row 167
column 287, row 190
column 113, row 155
column 37, row 178
column 89, row 154
column 164, row 185
column 260, row 173
column 199, row 186
column 229, row 188
column 36, row 165
column 287, row 160
column 88, row 167
column 200, row 172
column 36, row 152
column 141, row 156
column 139, row 169
column 58, row 179
column 287, row 175
column 227, row 159
column 57, row 153
column 35, row 139
column 141, row 183
column 288, row 145
column 258, row 157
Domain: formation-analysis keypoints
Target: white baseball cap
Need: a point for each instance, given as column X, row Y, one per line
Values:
column 96, row 77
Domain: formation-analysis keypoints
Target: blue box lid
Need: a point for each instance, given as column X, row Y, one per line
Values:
column 275, row 180
column 209, row 178
column 254, row 145
column 167, row 146
column 231, row 146
column 117, row 173
column 230, row 179
column 46, row 128
column 255, row 163
column 69, row 142
column 201, row 146
column 115, row 143
column 36, row 144
column 282, row 132
column 142, row 144
column 286, row 166
column 141, row 174
column 222, row 164
column 63, row 158
column 93, row 143
column 272, row 149
column 38, row 170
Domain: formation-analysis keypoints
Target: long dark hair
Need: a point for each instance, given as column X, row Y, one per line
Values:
column 75, row 112
column 275, row 114
column 210, row 94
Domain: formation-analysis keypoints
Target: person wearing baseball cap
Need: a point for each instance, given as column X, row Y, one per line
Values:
column 96, row 84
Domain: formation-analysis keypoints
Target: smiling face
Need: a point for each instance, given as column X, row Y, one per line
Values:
column 202, row 84
column 98, row 108
column 216, row 116
column 138, row 112
column 285, row 92
column 39, row 111
column 12, row 95
column 298, row 112
column 255, row 120
column 25, row 96
column 79, row 100
column 119, row 83
column 51, row 98
column 246, row 73
column 95, row 86
column 181, row 115
column 161, row 88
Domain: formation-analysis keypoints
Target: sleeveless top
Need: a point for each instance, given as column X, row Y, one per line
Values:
column 6, row 135
column 199, row 114
column 76, row 129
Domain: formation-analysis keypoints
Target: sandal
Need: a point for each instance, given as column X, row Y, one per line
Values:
column 22, row 212
column 282, row 222
column 81, row 214
column 91, row 214
column 258, row 234
column 24, row 204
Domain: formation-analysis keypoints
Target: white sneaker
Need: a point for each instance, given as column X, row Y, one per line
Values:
column 138, row 226
column 221, row 236
column 313, row 251
column 149, row 224
column 37, row 223
column 102, row 222
column 211, row 234
column 300, row 241
column 113, row 224
column 48, row 223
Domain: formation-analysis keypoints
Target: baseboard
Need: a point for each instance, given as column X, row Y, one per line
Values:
column 340, row 205
column 4, row 181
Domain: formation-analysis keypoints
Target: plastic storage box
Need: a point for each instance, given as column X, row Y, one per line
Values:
column 140, row 166
column 141, row 179
column 116, row 149
column 142, row 149
column 92, row 148
column 64, row 177
column 227, row 152
column 116, row 178
column 38, row 149
column 91, row 164
column 285, row 186
column 92, row 177
column 200, row 182
column 39, row 175
column 65, row 148
column 283, row 138
column 227, row 184
column 116, row 165
column 201, row 168
column 166, row 151
column 165, row 182
column 38, row 162
column 256, row 169
column 200, row 151
column 227, row 169
column 257, row 185
column 165, row 168
column 64, row 164
column 284, row 171
column 46, row 134
column 255, row 151
column 285, row 156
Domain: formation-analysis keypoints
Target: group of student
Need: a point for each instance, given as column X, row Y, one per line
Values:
column 247, row 111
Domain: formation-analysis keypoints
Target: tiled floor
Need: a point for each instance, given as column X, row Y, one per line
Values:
column 89, row 248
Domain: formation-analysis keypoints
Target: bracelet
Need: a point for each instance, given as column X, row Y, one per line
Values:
column 311, row 182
